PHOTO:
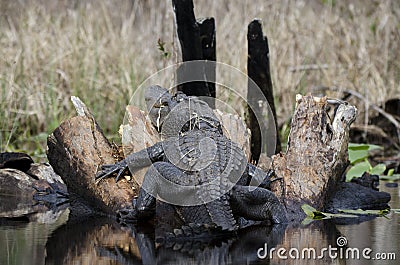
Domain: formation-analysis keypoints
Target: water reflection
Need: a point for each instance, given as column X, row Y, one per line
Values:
column 23, row 241
column 379, row 234
column 103, row 241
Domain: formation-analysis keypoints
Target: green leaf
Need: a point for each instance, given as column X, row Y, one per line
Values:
column 390, row 172
column 369, row 147
column 359, row 152
column 378, row 169
column 314, row 214
column 393, row 177
column 357, row 155
column 357, row 170
column 366, row 212
column 308, row 210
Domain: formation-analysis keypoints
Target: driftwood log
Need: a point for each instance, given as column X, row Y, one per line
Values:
column 28, row 190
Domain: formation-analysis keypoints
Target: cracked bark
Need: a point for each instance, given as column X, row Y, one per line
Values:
column 316, row 156
column 75, row 150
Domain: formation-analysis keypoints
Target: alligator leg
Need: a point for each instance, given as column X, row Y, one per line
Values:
column 257, row 204
column 142, row 158
column 171, row 185
column 161, row 179
column 258, row 177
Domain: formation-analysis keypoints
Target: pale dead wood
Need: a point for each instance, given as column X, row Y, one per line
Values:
column 236, row 130
column 388, row 116
column 137, row 135
column 317, row 153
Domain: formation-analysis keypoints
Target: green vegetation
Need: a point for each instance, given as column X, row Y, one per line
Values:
column 102, row 50
column 162, row 49
column 358, row 157
column 390, row 176
column 366, row 212
column 318, row 215
column 314, row 214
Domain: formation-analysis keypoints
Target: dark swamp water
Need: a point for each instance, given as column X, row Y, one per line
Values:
column 55, row 238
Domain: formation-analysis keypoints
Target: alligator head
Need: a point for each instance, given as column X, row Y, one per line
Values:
column 159, row 103
column 173, row 114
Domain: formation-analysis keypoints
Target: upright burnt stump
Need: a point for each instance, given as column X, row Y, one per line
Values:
column 188, row 30
column 208, row 47
column 197, row 40
column 259, row 72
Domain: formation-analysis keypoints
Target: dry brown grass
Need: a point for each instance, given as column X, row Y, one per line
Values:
column 102, row 50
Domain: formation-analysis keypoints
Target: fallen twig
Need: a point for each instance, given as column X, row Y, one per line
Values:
column 358, row 95
column 375, row 130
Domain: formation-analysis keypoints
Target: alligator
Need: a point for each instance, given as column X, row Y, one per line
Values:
column 196, row 169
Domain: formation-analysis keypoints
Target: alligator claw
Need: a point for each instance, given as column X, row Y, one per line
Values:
column 107, row 170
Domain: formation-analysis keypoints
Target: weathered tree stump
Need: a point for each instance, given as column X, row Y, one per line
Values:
column 75, row 150
column 188, row 30
column 317, row 153
column 136, row 135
